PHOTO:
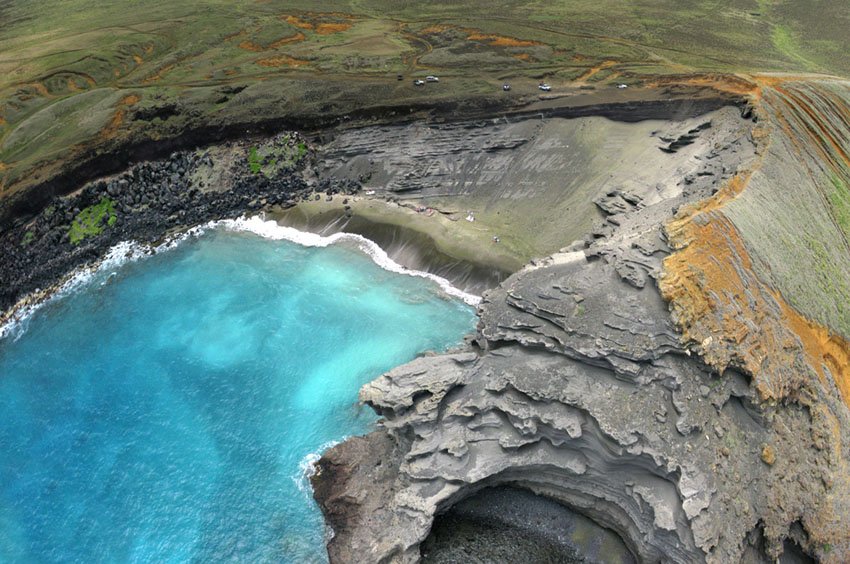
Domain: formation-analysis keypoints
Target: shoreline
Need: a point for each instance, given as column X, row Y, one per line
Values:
column 132, row 250
column 457, row 250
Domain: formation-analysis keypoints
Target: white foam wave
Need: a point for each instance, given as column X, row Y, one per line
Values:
column 272, row 230
column 130, row 251
column 117, row 255
column 307, row 467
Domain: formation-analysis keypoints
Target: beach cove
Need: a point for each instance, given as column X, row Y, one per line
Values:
column 170, row 405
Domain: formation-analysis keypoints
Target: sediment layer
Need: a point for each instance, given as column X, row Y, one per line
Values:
column 582, row 387
column 758, row 280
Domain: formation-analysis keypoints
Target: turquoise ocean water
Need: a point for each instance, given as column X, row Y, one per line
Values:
column 165, row 411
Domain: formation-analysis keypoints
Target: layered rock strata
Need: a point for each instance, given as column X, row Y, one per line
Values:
column 580, row 387
column 759, row 283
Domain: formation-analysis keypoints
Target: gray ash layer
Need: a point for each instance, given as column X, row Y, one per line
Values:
column 577, row 387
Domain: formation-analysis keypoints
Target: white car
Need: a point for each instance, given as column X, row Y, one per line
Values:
column 418, row 82
column 622, row 86
column 432, row 78
column 545, row 87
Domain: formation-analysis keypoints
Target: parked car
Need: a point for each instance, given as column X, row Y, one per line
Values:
column 432, row 78
column 545, row 87
column 418, row 82
column 622, row 86
column 506, row 87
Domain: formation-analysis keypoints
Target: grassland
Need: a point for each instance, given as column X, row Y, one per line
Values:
column 78, row 73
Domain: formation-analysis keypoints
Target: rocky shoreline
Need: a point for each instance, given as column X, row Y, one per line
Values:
column 144, row 204
column 188, row 187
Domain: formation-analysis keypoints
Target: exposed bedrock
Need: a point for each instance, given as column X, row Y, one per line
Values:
column 555, row 170
column 578, row 387
column 515, row 525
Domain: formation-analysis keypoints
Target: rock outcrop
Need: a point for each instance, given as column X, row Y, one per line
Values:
column 148, row 201
column 579, row 386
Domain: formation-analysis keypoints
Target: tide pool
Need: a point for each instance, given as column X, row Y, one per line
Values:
column 166, row 410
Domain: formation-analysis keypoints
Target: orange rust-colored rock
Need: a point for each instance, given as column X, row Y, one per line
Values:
column 733, row 318
column 501, row 40
column 737, row 320
column 323, row 23
column 287, row 40
column 826, row 351
column 281, row 61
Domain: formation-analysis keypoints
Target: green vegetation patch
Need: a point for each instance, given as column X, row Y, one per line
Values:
column 92, row 220
column 255, row 162
column 272, row 157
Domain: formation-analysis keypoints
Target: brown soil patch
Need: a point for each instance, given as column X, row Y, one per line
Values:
column 298, row 22
column 158, row 76
column 331, row 28
column 501, row 40
column 522, row 57
column 287, row 40
column 595, row 70
column 256, row 48
column 730, row 84
column 434, row 29
column 138, row 59
column 39, row 89
column 250, row 46
column 118, row 117
column 281, row 61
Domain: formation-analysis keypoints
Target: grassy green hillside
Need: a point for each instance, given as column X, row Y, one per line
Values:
column 74, row 73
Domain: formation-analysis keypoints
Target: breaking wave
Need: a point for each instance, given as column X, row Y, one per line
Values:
column 15, row 322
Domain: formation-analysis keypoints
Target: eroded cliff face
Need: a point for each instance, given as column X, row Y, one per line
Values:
column 711, row 435
column 759, row 282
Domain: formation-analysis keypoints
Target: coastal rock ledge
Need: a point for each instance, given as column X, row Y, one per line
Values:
column 578, row 386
